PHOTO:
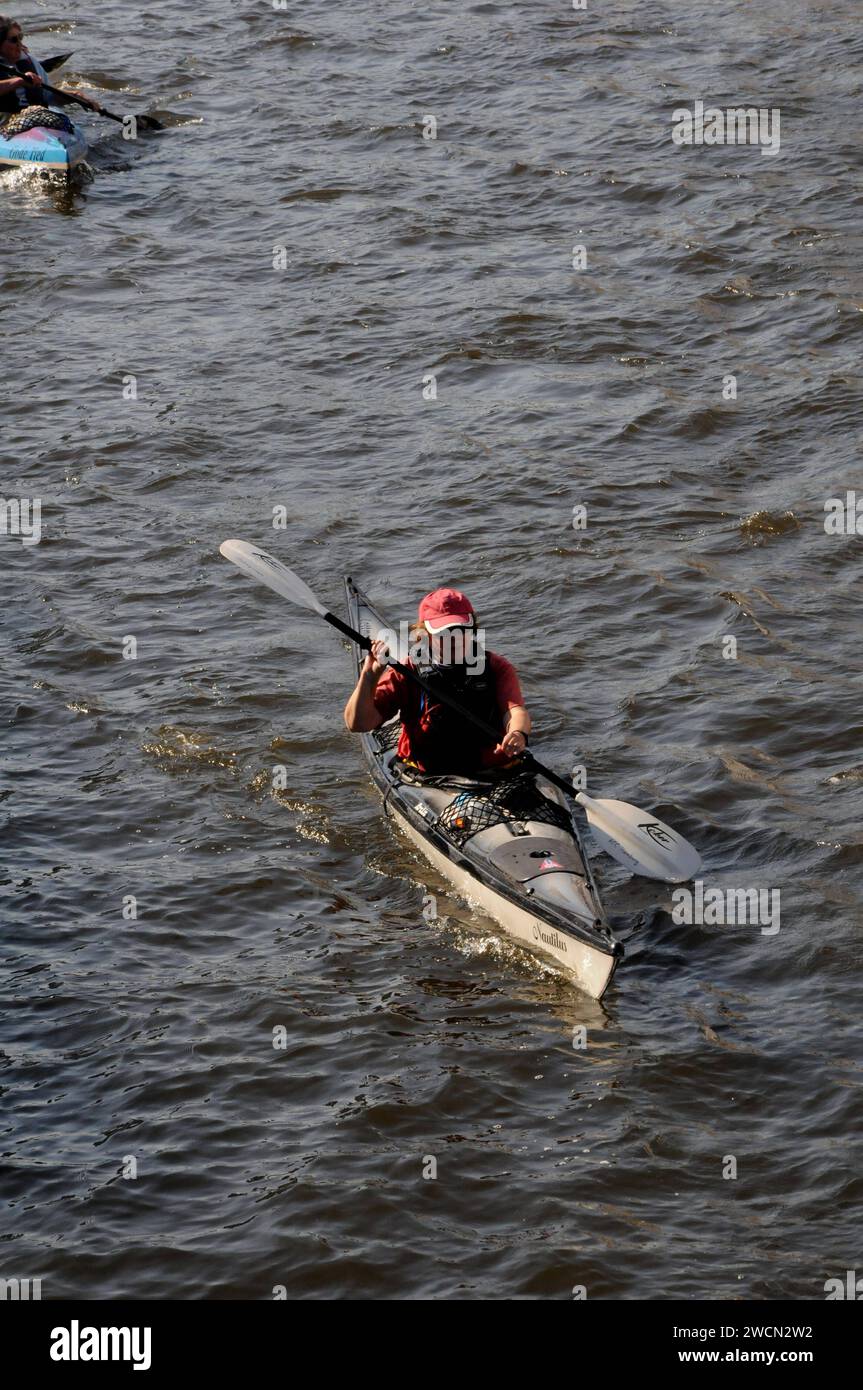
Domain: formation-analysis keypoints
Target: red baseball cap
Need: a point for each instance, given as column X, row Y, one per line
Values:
column 446, row 608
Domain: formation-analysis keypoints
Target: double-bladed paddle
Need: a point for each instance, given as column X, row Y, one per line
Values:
column 634, row 838
column 146, row 122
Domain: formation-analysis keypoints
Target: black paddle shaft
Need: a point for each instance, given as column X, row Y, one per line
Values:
column 527, row 758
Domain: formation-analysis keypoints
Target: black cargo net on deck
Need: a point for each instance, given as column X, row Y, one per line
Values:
column 494, row 799
column 481, row 805
column 31, row 117
column 388, row 735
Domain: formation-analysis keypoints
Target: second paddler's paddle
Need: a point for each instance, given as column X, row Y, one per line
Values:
column 146, row 122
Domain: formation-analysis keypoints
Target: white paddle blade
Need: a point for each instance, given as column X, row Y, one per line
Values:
column 639, row 841
column 257, row 564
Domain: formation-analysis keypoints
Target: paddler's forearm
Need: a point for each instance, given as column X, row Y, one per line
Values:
column 518, row 721
column 361, row 712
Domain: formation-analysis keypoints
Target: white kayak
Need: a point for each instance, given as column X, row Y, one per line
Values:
column 56, row 151
column 507, row 843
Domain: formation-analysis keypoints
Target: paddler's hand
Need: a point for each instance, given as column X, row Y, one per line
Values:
column 88, row 101
column 32, row 79
column 376, row 662
column 512, row 744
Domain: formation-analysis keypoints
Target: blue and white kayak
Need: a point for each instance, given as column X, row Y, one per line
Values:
column 57, row 151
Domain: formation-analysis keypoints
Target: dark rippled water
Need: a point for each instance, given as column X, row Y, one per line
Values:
column 302, row 388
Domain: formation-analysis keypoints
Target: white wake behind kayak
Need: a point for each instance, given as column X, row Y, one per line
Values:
column 55, row 151
column 508, row 846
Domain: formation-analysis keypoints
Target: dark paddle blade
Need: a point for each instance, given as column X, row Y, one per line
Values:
column 52, row 64
column 145, row 122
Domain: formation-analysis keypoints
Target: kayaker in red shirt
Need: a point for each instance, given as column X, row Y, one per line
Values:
column 433, row 737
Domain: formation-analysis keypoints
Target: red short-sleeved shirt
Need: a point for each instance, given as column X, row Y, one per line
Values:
column 435, row 738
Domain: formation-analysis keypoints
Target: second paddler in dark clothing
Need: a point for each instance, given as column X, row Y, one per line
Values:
column 25, row 90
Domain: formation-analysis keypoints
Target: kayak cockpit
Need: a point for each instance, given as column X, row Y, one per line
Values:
column 511, row 833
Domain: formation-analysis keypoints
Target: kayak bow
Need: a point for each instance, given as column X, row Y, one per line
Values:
column 509, row 845
column 57, row 151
